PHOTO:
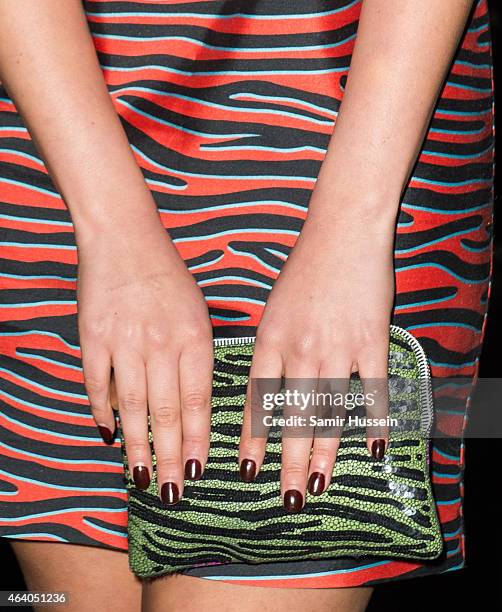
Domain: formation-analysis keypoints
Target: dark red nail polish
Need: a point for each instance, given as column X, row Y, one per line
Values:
column 293, row 500
column 378, row 449
column 169, row 493
column 247, row 470
column 193, row 469
column 106, row 434
column 141, row 477
column 316, row 483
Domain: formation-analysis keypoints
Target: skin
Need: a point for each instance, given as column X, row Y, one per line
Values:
column 339, row 295
column 141, row 312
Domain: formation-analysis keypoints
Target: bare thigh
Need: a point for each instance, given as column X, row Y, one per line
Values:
column 190, row 594
column 95, row 578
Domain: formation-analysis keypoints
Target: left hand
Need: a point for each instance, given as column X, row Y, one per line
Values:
column 328, row 315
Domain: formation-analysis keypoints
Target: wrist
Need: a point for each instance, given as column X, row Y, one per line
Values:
column 115, row 215
column 355, row 198
column 353, row 216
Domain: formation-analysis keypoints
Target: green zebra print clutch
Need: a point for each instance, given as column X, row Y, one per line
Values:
column 372, row 507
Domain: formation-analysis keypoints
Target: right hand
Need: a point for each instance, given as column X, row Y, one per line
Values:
column 141, row 312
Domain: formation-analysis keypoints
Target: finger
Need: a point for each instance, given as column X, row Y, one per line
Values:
column 130, row 382
column 334, row 382
column 372, row 366
column 302, row 377
column 165, row 419
column 196, row 375
column 96, row 365
column 266, row 364
column 114, row 402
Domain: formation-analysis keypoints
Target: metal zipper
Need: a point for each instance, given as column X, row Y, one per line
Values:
column 426, row 394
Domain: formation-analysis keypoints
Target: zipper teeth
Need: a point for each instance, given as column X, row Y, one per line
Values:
column 426, row 394
column 232, row 341
column 423, row 367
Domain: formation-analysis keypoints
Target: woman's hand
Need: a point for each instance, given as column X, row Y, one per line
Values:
column 330, row 309
column 327, row 316
column 141, row 312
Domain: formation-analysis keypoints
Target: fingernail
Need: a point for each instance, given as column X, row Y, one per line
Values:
column 141, row 477
column 106, row 434
column 247, row 470
column 378, row 449
column 293, row 500
column 316, row 483
column 169, row 493
column 193, row 469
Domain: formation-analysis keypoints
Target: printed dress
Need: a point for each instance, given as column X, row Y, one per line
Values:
column 229, row 106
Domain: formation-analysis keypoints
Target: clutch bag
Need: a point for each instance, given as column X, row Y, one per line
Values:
column 372, row 508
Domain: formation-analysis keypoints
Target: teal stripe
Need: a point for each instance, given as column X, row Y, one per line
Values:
column 215, row 207
column 21, row 154
column 181, row 128
column 38, row 277
column 41, row 333
column 60, row 460
column 64, row 394
column 438, row 211
column 28, row 535
column 245, row 279
column 280, row 99
column 213, row 16
column 41, row 303
column 34, row 220
column 105, row 529
column 35, row 356
column 294, row 576
column 62, row 511
column 232, row 298
column 46, row 408
column 200, row 43
column 247, row 230
column 227, row 177
column 226, row 108
column 53, row 433
column 51, row 485
column 204, row 73
column 30, row 187
column 29, row 245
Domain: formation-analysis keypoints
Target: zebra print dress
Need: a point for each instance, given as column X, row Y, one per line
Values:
column 229, row 106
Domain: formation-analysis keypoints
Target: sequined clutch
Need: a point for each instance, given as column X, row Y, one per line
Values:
column 382, row 508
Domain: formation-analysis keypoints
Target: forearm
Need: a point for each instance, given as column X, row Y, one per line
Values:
column 401, row 57
column 49, row 66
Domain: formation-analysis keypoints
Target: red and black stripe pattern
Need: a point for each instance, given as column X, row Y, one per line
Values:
column 229, row 106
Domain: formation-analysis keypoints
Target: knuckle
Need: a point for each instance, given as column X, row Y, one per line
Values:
column 195, row 440
column 196, row 334
column 168, row 465
column 95, row 385
column 295, row 469
column 302, row 346
column 137, row 450
column 370, row 337
column 255, row 408
column 100, row 411
column 268, row 337
column 252, row 448
column 132, row 403
column 92, row 327
column 157, row 336
column 324, row 454
column 165, row 415
column 194, row 402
